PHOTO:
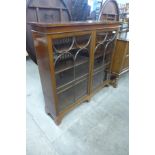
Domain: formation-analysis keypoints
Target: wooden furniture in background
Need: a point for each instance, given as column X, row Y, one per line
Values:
column 79, row 9
column 74, row 61
column 47, row 11
column 120, row 63
column 109, row 11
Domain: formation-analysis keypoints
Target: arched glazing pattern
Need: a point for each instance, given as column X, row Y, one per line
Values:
column 102, row 57
column 71, row 59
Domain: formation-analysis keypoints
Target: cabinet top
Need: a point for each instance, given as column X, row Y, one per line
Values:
column 73, row 23
column 53, row 28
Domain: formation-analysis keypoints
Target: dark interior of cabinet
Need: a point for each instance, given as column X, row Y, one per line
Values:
column 71, row 57
column 102, row 58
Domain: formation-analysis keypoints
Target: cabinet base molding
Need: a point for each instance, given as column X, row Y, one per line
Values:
column 57, row 119
column 115, row 78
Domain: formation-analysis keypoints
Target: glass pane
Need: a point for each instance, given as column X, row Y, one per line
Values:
column 63, row 62
column 106, row 77
column 63, row 44
column 71, row 58
column 97, row 79
column 81, row 70
column 99, row 51
column 81, row 63
column 81, row 89
column 110, row 48
column 98, row 63
column 101, row 37
column 107, row 72
column 64, row 69
column 82, row 41
column 64, row 77
column 108, row 58
column 65, row 98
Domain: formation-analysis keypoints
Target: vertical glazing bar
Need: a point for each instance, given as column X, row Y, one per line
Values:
column 91, row 61
column 37, row 14
column 74, row 71
column 113, row 49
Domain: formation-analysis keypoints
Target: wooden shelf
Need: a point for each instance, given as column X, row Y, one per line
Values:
column 98, row 55
column 70, row 64
column 102, row 67
column 70, row 84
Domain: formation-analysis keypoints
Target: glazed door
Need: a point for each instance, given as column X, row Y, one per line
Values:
column 71, row 52
column 102, row 57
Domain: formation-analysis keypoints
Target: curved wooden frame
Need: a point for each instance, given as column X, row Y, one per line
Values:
column 104, row 5
column 29, row 44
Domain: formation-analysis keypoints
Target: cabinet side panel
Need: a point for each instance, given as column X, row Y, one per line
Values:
column 40, row 43
column 118, row 56
column 125, row 65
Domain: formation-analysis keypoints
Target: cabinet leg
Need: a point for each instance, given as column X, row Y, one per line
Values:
column 115, row 84
column 57, row 120
column 88, row 99
column 114, row 81
column 107, row 85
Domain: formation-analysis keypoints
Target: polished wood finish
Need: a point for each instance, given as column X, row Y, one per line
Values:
column 74, row 60
column 120, row 63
